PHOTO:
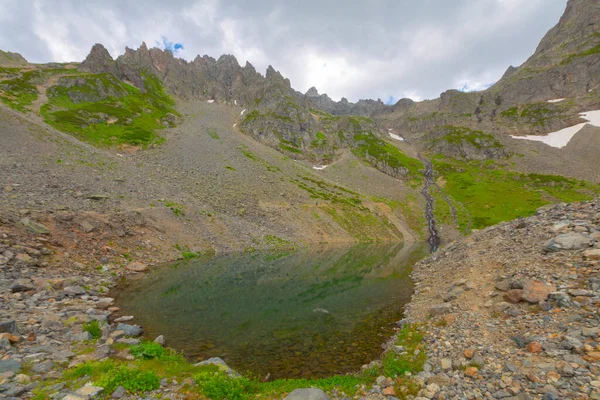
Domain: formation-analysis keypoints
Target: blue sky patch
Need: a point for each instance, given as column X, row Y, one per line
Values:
column 172, row 47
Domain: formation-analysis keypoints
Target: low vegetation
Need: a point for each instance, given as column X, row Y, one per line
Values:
column 376, row 151
column 459, row 134
column 106, row 111
column 535, row 114
column 490, row 193
column 152, row 362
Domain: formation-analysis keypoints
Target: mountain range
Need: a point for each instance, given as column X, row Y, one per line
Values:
column 246, row 158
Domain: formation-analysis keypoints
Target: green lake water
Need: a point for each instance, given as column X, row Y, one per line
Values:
column 305, row 314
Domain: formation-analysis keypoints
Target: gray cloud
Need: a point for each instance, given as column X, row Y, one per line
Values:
column 355, row 49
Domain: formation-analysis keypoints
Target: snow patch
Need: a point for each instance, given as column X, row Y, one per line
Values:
column 321, row 310
column 394, row 136
column 235, row 102
column 210, row 101
column 561, row 138
column 234, row 125
column 397, row 137
column 320, row 167
column 555, row 100
column 243, row 111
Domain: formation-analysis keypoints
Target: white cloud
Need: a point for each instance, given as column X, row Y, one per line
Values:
column 358, row 50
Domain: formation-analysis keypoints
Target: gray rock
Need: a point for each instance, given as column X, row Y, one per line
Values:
column 568, row 241
column 129, row 341
column 440, row 309
column 43, row 367
column 118, row 393
column 9, row 327
column 18, row 287
column 83, row 336
column 89, row 391
column 74, row 290
column 10, row 365
column 34, row 227
column 160, row 339
column 307, row 394
column 130, row 330
column 561, row 299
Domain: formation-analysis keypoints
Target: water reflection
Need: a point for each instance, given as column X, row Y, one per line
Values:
column 306, row 314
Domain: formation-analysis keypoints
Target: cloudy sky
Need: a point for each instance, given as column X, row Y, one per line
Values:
column 385, row 49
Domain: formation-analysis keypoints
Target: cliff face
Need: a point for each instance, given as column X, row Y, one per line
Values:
column 566, row 63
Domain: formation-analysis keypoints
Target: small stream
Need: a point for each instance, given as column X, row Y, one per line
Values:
column 434, row 238
column 311, row 313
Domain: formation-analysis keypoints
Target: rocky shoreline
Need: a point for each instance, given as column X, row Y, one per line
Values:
column 509, row 312
column 512, row 311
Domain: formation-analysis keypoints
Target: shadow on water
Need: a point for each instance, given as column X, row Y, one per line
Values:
column 306, row 314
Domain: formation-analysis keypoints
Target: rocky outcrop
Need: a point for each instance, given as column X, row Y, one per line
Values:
column 344, row 107
column 9, row 59
column 464, row 143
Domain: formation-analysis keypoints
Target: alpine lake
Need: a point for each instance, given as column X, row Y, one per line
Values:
column 304, row 314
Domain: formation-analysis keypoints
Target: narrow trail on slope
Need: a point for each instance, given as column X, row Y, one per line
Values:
column 434, row 238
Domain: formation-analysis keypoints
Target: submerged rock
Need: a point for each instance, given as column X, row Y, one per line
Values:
column 221, row 364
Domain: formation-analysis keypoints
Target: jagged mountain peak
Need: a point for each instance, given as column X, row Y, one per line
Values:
column 312, row 92
column 98, row 60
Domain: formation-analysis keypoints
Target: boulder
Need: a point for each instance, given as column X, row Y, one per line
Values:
column 74, row 290
column 440, row 309
column 568, row 241
column 592, row 254
column 34, row 227
column 307, row 394
column 129, row 330
column 137, row 267
column 10, row 365
column 513, row 296
column 536, row 291
column 222, row 366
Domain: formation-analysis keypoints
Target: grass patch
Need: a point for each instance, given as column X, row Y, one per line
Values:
column 491, row 194
column 571, row 57
column 376, row 151
column 105, row 111
column 458, row 135
column 534, row 114
column 151, row 350
column 132, row 379
column 212, row 132
column 362, row 224
column 289, row 148
column 176, row 208
column 93, row 328
column 153, row 362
